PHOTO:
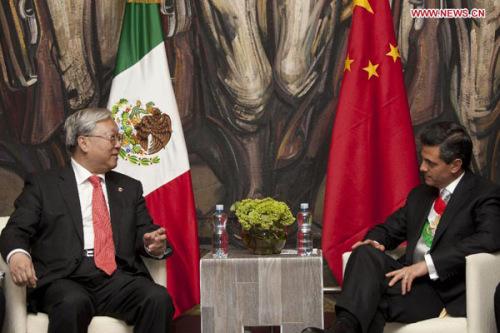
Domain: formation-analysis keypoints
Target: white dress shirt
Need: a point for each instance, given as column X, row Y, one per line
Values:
column 85, row 190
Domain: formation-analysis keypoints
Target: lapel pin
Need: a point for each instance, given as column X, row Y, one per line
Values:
column 120, row 189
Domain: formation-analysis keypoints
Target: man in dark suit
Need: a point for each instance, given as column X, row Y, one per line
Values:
column 77, row 232
column 454, row 214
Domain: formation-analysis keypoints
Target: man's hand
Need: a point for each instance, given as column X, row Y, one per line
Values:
column 370, row 242
column 155, row 242
column 22, row 270
column 407, row 275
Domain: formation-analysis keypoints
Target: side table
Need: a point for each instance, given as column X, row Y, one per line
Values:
column 248, row 290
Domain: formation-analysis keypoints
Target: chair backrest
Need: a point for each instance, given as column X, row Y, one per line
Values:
column 482, row 278
column 3, row 222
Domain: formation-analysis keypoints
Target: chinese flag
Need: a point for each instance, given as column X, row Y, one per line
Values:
column 372, row 163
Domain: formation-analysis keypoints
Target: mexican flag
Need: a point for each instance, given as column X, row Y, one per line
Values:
column 153, row 149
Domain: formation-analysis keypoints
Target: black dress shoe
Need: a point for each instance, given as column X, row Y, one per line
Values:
column 341, row 325
column 312, row 330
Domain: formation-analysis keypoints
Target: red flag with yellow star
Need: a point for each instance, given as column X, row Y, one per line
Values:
column 373, row 163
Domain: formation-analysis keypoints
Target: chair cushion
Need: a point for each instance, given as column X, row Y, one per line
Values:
column 435, row 325
column 99, row 324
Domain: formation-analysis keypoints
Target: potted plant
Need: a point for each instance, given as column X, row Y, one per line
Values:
column 263, row 223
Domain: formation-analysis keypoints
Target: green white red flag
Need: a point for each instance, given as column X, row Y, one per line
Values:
column 154, row 150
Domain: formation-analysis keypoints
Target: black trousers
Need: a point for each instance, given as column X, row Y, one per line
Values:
column 72, row 302
column 497, row 307
column 368, row 297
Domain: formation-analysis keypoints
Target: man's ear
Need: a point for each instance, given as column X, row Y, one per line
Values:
column 456, row 165
column 82, row 143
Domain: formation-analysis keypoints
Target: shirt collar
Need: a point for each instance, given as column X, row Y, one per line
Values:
column 453, row 185
column 82, row 174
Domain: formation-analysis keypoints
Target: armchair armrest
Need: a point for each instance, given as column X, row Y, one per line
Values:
column 482, row 277
column 157, row 269
column 15, row 301
column 345, row 259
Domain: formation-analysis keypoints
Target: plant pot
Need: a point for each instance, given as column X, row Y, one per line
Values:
column 259, row 241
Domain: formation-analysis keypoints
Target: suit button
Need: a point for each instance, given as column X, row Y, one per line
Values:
column 77, row 261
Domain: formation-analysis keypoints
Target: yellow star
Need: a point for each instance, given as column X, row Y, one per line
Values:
column 363, row 3
column 371, row 69
column 348, row 62
column 394, row 53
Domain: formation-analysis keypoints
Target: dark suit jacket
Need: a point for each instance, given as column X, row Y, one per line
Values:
column 470, row 224
column 47, row 223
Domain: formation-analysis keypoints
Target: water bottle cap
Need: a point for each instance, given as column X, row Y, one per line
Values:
column 219, row 207
column 304, row 205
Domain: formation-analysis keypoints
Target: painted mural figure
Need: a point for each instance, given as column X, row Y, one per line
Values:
column 55, row 59
column 264, row 62
column 440, row 74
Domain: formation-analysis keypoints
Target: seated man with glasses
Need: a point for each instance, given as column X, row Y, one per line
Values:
column 77, row 232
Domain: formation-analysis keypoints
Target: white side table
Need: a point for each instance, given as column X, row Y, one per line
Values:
column 247, row 290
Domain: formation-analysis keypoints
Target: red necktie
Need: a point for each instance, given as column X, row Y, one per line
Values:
column 104, row 249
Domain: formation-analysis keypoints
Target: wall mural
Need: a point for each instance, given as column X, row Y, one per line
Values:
column 256, row 82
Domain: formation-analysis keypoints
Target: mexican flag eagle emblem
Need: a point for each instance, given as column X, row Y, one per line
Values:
column 145, row 130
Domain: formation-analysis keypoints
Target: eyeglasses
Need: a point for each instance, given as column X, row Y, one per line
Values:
column 113, row 138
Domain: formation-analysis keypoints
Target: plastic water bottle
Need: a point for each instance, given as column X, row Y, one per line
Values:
column 304, row 235
column 219, row 237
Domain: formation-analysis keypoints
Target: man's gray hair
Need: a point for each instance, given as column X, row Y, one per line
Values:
column 83, row 123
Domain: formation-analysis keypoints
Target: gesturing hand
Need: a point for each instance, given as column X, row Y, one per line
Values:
column 155, row 242
column 407, row 275
column 22, row 270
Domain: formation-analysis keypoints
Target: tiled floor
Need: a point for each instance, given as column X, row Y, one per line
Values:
column 192, row 324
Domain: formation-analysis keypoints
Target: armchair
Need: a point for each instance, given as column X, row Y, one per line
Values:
column 17, row 320
column 482, row 277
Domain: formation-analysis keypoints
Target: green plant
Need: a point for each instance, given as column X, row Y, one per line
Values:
column 264, row 214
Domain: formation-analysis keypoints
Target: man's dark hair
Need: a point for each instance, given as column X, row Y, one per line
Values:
column 453, row 141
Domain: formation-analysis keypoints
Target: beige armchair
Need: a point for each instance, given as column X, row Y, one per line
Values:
column 482, row 277
column 17, row 320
